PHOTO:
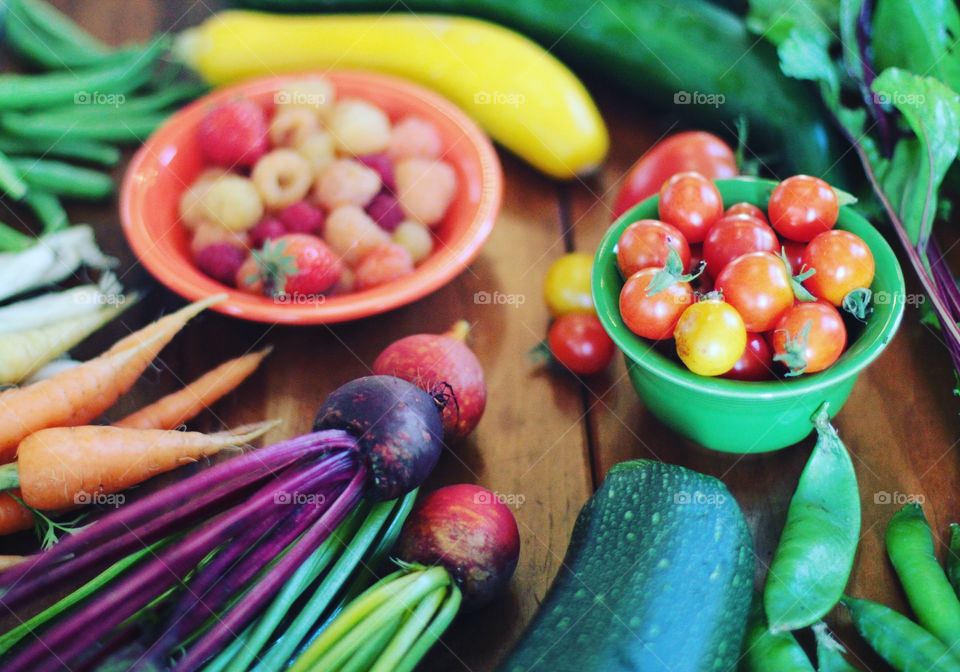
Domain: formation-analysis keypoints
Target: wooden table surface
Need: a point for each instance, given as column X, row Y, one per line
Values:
column 547, row 440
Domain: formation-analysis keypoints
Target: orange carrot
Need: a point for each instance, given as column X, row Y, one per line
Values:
column 64, row 466
column 174, row 409
column 14, row 517
column 7, row 561
column 78, row 395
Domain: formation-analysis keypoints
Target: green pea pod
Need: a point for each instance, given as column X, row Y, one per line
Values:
column 766, row 651
column 815, row 555
column 830, row 652
column 953, row 558
column 902, row 643
column 910, row 547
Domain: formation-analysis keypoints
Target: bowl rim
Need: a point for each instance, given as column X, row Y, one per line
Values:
column 606, row 300
column 447, row 262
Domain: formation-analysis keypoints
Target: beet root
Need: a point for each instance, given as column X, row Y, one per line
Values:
column 398, row 428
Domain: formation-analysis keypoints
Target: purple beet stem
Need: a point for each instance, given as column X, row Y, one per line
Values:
column 81, row 630
column 112, row 537
column 237, row 618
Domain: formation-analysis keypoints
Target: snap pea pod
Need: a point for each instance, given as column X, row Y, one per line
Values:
column 906, row 646
column 63, row 179
column 766, row 651
column 80, row 150
column 132, row 129
column 11, row 183
column 48, row 210
column 953, row 558
column 829, row 652
column 21, row 92
column 815, row 555
column 911, row 551
column 689, row 57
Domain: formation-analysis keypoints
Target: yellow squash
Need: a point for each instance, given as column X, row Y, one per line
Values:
column 525, row 98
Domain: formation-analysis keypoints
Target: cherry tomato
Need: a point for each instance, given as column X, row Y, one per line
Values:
column 566, row 288
column 692, row 203
column 691, row 150
column 842, row 261
column 710, row 337
column 736, row 235
column 809, row 337
column 646, row 244
column 579, row 343
column 794, row 253
column 802, row 206
column 745, row 208
column 653, row 316
column 758, row 286
column 756, row 363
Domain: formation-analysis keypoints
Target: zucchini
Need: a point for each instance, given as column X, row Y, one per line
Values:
column 671, row 54
column 658, row 577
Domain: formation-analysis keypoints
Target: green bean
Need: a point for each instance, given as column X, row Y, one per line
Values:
column 767, row 651
column 155, row 101
column 32, row 41
column 10, row 181
column 48, row 210
column 64, row 179
column 898, row 640
column 89, row 151
column 131, row 129
column 20, row 92
column 12, row 240
column 911, row 551
column 59, row 26
column 953, row 558
column 830, row 652
column 813, row 560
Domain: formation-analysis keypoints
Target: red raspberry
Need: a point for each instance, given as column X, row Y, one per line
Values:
column 383, row 264
column 385, row 210
column 233, row 134
column 298, row 263
column 221, row 261
column 302, row 217
column 266, row 229
column 384, row 167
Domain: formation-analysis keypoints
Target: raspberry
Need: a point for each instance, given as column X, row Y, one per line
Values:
column 233, row 134
column 416, row 238
column 351, row 233
column 384, row 167
column 414, row 137
column 266, row 229
column 383, row 264
column 221, row 261
column 346, row 182
column 385, row 210
column 425, row 188
column 209, row 233
column 301, row 217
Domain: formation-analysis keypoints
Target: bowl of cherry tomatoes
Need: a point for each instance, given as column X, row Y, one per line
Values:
column 742, row 305
column 312, row 198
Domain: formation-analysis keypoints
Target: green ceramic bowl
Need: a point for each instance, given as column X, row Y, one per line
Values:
column 746, row 417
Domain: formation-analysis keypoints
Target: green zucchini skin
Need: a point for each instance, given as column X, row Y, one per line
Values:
column 656, row 51
column 658, row 577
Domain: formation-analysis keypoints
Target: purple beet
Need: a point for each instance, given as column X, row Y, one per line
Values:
column 398, row 425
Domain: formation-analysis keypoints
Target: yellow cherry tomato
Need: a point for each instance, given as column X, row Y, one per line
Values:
column 710, row 337
column 567, row 285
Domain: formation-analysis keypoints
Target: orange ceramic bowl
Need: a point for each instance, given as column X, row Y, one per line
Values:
column 170, row 160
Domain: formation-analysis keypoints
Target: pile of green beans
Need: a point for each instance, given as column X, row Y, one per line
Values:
column 87, row 100
column 812, row 564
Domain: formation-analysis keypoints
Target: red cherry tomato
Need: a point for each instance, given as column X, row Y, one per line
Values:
column 736, row 235
column 692, row 203
column 802, row 206
column 579, row 343
column 809, row 337
column 758, row 286
column 756, row 363
column 794, row 253
column 691, row 150
column 746, row 209
column 653, row 316
column 842, row 261
column 647, row 243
